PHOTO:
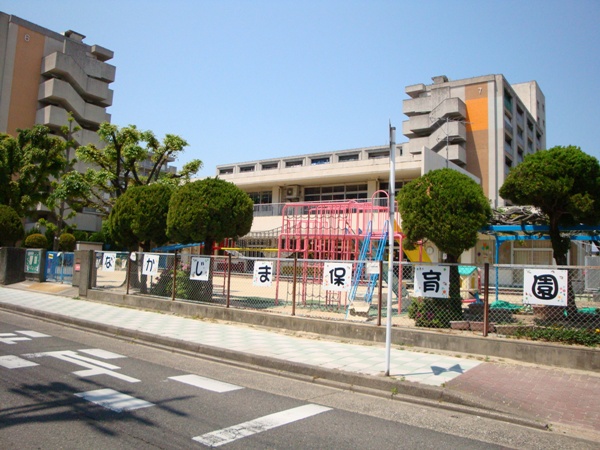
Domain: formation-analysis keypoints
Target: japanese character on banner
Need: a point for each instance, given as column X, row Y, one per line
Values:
column 150, row 266
column 337, row 276
column 108, row 262
column 200, row 268
column 263, row 273
column 545, row 287
column 432, row 281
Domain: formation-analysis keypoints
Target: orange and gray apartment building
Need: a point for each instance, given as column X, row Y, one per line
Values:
column 480, row 126
column 44, row 75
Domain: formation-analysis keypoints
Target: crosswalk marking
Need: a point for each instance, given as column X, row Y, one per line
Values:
column 227, row 435
column 12, row 338
column 206, row 383
column 14, row 362
column 114, row 400
column 99, row 353
column 33, row 334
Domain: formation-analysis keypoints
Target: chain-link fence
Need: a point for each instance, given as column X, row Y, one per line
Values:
column 538, row 302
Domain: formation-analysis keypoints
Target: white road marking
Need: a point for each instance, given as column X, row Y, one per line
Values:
column 206, row 383
column 99, row 353
column 33, row 334
column 227, row 435
column 11, row 338
column 114, row 400
column 14, row 362
column 93, row 367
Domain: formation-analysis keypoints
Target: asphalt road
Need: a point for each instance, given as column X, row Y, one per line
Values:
column 67, row 388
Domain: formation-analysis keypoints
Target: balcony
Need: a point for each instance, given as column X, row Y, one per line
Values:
column 55, row 91
column 450, row 132
column 89, row 87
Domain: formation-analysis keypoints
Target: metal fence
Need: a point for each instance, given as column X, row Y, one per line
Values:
column 436, row 296
column 59, row 266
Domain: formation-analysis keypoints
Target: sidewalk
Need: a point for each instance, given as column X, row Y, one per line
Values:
column 540, row 395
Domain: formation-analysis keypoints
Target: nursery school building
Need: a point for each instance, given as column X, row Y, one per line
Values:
column 322, row 205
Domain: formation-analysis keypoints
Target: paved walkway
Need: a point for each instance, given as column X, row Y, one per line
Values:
column 555, row 396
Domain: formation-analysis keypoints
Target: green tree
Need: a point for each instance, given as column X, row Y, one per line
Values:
column 11, row 226
column 123, row 162
column 209, row 211
column 564, row 183
column 27, row 165
column 139, row 217
column 447, row 208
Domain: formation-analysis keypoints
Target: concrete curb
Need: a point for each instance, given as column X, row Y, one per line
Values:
column 426, row 395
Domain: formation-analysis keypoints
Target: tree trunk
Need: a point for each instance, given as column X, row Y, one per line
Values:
column 560, row 249
column 455, row 298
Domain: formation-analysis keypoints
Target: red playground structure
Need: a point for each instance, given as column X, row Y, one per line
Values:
column 351, row 230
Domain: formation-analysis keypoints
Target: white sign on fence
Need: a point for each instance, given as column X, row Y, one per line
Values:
column 200, row 268
column 545, row 287
column 150, row 266
column 263, row 273
column 337, row 276
column 432, row 281
column 109, row 261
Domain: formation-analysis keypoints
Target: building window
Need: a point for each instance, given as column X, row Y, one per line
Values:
column 529, row 125
column 508, row 101
column 226, row 171
column 261, row 198
column 318, row 161
column 385, row 186
column 269, row 166
column 379, row 155
column 247, row 169
column 293, row 163
column 346, row 158
column 338, row 192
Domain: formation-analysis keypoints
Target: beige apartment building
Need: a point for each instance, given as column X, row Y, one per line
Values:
column 44, row 75
column 480, row 126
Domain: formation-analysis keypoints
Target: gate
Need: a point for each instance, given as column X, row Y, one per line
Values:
column 59, row 266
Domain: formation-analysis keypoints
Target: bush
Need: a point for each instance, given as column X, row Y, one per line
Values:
column 67, row 242
column 36, row 240
column 576, row 336
column 11, row 226
column 433, row 312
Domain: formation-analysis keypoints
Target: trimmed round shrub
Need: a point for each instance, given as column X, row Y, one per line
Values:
column 67, row 242
column 11, row 227
column 36, row 240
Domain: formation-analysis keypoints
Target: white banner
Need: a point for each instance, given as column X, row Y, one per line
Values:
column 108, row 262
column 263, row 273
column 545, row 287
column 337, row 276
column 432, row 281
column 150, row 266
column 200, row 268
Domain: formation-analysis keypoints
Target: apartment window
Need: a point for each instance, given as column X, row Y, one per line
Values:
column 293, row 163
column 379, row 155
column 319, row 161
column 346, row 158
column 269, row 166
column 529, row 125
column 247, row 169
column 226, row 171
column 508, row 101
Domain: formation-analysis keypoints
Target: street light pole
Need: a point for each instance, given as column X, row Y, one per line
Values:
column 391, row 204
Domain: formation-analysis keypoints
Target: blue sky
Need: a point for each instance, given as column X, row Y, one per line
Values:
column 242, row 80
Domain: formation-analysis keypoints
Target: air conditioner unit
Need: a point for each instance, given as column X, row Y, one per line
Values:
column 292, row 192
